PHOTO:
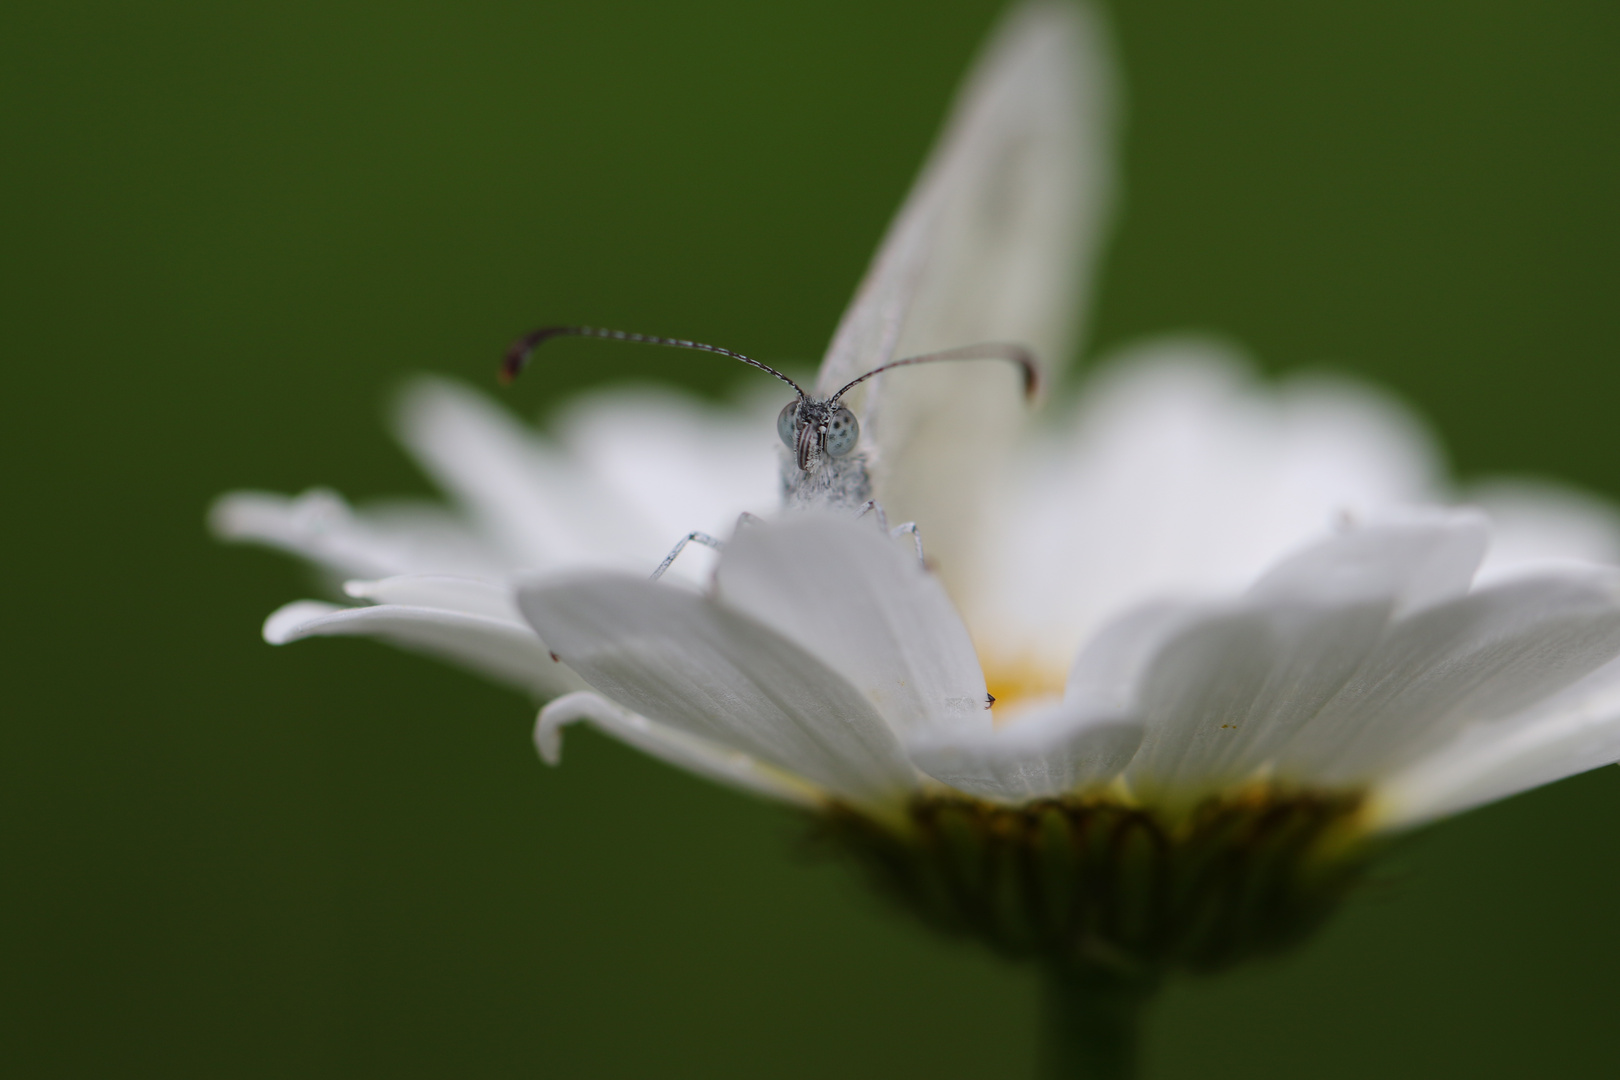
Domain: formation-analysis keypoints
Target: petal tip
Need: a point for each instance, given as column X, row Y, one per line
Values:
column 289, row 622
column 580, row 705
column 548, row 740
column 226, row 514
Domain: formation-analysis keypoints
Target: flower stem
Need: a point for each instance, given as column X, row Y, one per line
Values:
column 1091, row 1021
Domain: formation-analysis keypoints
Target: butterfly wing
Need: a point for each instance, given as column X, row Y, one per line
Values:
column 992, row 244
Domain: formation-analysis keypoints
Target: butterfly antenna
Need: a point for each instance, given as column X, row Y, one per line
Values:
column 990, row 350
column 517, row 355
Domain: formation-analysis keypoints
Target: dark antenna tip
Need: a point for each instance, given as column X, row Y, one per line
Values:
column 1032, row 376
column 512, row 366
column 518, row 353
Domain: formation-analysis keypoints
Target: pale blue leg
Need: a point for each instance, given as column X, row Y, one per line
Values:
column 871, row 507
column 690, row 538
column 916, row 538
column 745, row 518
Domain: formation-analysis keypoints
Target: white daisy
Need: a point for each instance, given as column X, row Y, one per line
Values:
column 1203, row 482
column 1173, row 662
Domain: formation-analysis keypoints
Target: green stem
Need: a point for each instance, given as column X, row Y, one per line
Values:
column 1091, row 1024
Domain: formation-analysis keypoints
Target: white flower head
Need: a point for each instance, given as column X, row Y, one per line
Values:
column 1200, row 604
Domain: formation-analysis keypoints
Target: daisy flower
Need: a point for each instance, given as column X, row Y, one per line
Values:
column 1174, row 663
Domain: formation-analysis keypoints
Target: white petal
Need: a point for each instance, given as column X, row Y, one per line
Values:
column 1056, row 750
column 1107, row 675
column 636, row 471
column 284, row 623
column 535, row 505
column 709, row 760
column 1183, row 476
column 1225, row 694
column 1415, row 560
column 678, row 463
column 1535, row 523
column 471, row 596
column 378, row 542
column 1228, row 687
column 859, row 602
column 680, row 660
column 994, row 243
column 1577, row 731
column 1480, row 660
column 502, row 650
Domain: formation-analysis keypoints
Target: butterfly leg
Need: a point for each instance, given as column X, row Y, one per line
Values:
column 916, row 538
column 745, row 518
column 871, row 506
column 690, row 538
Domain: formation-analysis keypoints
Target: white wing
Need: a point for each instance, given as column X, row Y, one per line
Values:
column 991, row 245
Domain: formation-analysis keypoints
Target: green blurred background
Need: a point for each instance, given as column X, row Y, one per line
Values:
column 231, row 229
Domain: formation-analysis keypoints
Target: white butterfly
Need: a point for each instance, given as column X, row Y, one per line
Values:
column 983, row 261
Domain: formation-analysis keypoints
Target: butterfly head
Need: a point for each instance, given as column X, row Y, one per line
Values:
column 813, row 429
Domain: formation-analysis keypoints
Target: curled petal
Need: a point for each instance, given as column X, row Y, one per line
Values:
column 502, row 650
column 448, row 592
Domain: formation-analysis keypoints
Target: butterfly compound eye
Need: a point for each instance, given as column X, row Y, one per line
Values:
column 842, row 432
column 787, row 425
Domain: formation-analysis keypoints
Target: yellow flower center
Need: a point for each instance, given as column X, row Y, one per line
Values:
column 1016, row 681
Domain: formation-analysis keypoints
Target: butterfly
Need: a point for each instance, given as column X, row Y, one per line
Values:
column 982, row 262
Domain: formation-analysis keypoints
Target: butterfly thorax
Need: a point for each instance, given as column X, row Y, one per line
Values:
column 837, row 483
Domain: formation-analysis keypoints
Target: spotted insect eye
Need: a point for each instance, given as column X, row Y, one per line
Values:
column 842, row 432
column 787, row 424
